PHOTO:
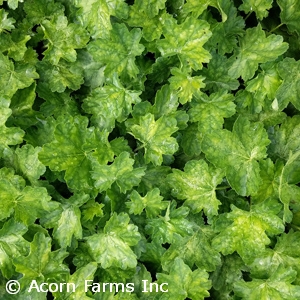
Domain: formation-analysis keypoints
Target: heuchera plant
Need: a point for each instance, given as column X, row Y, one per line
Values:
column 150, row 140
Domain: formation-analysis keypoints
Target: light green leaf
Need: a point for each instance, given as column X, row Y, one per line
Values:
column 41, row 264
column 25, row 202
column 14, row 76
column 196, row 7
column 247, row 231
column 255, row 48
column 210, row 111
column 217, row 76
column 196, row 185
column 63, row 39
column 110, row 103
column 12, row 245
column 152, row 27
column 185, row 85
column 120, row 171
column 112, row 247
column 5, row 22
column 285, row 253
column 164, row 229
column 259, row 7
column 77, row 279
column 61, row 76
column 289, row 71
column 290, row 14
column 195, row 249
column 150, row 7
column 184, row 283
column 155, row 137
column 225, row 34
column 118, row 51
column 238, row 153
column 186, row 40
column 72, row 150
column 277, row 287
column 152, row 203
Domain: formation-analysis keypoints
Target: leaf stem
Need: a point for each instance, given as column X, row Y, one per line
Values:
column 278, row 26
column 248, row 15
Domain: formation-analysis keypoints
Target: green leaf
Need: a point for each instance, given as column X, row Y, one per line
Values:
column 118, row 51
column 63, row 39
column 255, row 48
column 238, row 153
column 120, row 171
column 186, row 40
column 26, row 162
column 77, row 280
column 196, row 8
column 217, row 76
column 246, row 231
column 41, row 264
column 14, row 76
column 210, row 111
column 5, row 22
column 285, row 253
column 289, row 71
column 152, row 26
column 185, row 84
column 66, row 220
column 150, row 7
column 152, row 203
column 112, row 247
column 12, row 245
column 61, row 76
column 72, row 150
column 155, row 137
column 183, row 282
column 259, row 7
column 196, row 185
column 164, row 229
column 289, row 14
column 25, row 202
column 195, row 249
column 226, row 275
column 278, row 287
column 225, row 34
column 110, row 103
column 8, row 135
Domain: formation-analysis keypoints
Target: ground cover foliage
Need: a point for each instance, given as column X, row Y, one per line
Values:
column 150, row 140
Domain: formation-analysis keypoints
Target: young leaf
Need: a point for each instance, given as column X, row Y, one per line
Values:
column 152, row 203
